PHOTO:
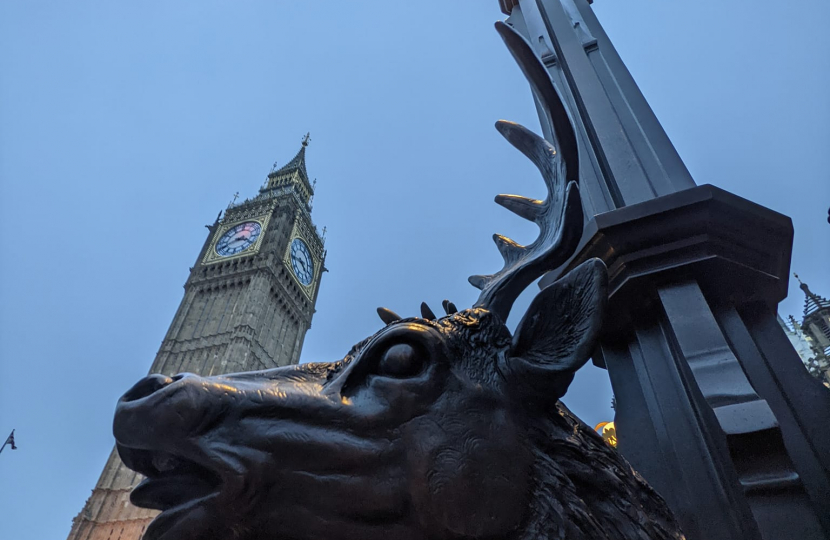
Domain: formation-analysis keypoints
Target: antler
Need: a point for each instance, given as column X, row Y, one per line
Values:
column 559, row 216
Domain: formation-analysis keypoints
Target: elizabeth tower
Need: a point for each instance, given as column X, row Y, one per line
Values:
column 247, row 305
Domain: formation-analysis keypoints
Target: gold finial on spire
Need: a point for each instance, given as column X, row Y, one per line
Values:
column 798, row 278
column 306, row 139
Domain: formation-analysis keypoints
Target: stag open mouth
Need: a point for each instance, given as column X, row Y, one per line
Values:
column 175, row 485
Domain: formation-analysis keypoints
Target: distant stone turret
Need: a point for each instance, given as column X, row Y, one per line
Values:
column 811, row 336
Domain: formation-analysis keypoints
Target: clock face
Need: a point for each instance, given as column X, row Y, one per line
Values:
column 301, row 262
column 238, row 238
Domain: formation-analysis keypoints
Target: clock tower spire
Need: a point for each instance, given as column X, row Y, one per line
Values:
column 293, row 175
column 248, row 303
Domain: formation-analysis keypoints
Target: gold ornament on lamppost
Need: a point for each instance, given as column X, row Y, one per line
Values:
column 608, row 432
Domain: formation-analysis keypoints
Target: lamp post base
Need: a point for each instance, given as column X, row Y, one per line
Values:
column 714, row 407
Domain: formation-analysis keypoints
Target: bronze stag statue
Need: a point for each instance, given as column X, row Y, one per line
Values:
column 433, row 428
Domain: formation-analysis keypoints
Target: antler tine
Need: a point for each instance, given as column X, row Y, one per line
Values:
column 509, row 249
column 544, row 156
column 479, row 281
column 559, row 216
column 521, row 206
column 536, row 74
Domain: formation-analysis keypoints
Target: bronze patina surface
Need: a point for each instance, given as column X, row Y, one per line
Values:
column 433, row 428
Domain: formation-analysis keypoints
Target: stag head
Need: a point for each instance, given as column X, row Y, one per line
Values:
column 433, row 428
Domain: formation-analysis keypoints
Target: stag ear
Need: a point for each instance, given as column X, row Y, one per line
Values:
column 558, row 333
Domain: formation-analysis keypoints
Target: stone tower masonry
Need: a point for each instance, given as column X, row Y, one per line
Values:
column 247, row 305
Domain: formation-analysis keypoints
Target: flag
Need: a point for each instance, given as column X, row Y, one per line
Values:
column 10, row 441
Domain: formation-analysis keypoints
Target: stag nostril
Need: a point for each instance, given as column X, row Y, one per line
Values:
column 147, row 386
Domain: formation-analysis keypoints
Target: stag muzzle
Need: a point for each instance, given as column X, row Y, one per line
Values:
column 160, row 412
column 159, row 408
column 203, row 442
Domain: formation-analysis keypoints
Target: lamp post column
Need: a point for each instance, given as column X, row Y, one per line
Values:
column 713, row 406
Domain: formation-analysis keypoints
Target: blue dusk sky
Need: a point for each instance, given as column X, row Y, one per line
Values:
column 125, row 127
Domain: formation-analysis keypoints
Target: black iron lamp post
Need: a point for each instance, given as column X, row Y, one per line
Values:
column 713, row 405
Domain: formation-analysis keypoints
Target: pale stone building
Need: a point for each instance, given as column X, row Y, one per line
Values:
column 811, row 336
column 247, row 305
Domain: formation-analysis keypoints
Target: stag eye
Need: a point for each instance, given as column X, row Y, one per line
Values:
column 400, row 360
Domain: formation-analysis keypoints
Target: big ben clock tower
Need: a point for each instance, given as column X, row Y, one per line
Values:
column 247, row 305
